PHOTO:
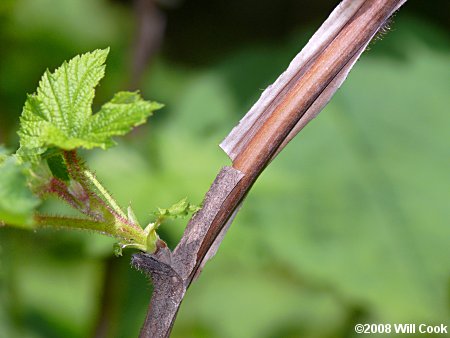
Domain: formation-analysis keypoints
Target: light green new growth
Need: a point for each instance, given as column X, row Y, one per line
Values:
column 59, row 114
column 55, row 121
column 179, row 209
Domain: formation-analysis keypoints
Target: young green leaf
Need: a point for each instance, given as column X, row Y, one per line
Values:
column 17, row 203
column 60, row 115
column 179, row 209
column 117, row 117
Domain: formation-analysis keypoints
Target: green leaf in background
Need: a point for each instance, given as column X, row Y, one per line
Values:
column 3, row 154
column 60, row 113
column 16, row 200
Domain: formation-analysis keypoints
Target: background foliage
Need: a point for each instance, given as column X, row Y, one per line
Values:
column 350, row 224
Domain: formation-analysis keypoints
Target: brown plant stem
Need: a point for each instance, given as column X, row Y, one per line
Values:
column 281, row 112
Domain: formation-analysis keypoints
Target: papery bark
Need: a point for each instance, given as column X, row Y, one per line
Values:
column 283, row 109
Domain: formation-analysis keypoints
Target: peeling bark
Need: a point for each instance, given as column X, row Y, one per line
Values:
column 283, row 109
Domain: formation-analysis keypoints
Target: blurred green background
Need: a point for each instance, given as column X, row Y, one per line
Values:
column 350, row 224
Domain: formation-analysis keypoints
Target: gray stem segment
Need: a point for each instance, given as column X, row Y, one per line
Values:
column 168, row 292
column 171, row 274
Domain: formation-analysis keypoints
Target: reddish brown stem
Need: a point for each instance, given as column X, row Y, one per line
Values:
column 280, row 115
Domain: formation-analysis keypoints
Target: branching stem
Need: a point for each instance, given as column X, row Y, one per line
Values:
column 283, row 110
column 87, row 195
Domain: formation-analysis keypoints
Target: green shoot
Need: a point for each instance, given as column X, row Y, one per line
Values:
column 55, row 122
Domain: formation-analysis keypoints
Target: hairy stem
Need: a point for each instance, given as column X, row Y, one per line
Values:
column 106, row 195
column 81, row 174
column 60, row 189
column 125, row 233
column 42, row 221
column 103, row 212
